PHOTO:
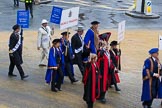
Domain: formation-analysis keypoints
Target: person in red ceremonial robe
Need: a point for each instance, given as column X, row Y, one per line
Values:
column 104, row 64
column 115, row 65
column 91, row 80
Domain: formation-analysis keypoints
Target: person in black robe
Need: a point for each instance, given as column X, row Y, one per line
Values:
column 15, row 53
column 91, row 80
column 115, row 65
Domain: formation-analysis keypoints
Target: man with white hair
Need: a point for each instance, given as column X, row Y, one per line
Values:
column 44, row 37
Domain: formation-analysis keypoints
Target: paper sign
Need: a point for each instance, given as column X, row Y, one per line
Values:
column 121, row 31
column 69, row 18
column 160, row 42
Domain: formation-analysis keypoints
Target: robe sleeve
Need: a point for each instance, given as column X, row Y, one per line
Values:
column 39, row 38
column 87, row 37
column 147, row 65
column 52, row 59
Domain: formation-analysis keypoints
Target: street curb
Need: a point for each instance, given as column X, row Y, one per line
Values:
column 45, row 1
column 142, row 16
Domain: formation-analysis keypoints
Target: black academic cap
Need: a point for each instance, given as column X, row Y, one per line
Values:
column 113, row 43
column 56, row 41
column 65, row 33
column 95, row 22
column 15, row 27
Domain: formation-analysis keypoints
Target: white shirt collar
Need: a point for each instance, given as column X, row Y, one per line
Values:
column 154, row 58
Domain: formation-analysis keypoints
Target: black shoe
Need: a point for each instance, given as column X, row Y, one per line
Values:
column 54, row 90
column 103, row 101
column 117, row 89
column 58, row 89
column 42, row 65
column 25, row 76
column 74, row 81
column 110, row 86
column 32, row 16
column 12, row 75
column 144, row 106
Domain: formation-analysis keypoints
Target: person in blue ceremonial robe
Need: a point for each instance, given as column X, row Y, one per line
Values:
column 54, row 67
column 151, row 79
column 68, row 57
column 91, row 39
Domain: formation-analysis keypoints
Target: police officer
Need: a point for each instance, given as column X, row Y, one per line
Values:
column 15, row 54
column 29, row 5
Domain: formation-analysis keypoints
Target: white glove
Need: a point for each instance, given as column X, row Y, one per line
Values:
column 156, row 75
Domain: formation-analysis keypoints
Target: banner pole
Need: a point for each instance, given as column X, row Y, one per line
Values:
column 158, row 41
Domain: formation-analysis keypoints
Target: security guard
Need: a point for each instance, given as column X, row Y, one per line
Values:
column 29, row 4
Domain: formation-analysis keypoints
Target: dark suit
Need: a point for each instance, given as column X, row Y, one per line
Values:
column 76, row 43
column 16, row 2
column 29, row 6
column 15, row 57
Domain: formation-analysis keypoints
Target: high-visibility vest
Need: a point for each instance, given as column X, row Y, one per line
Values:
column 28, row 1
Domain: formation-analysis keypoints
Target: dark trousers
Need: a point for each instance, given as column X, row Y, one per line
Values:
column 16, row 2
column 12, row 65
column 29, row 6
column 80, row 62
column 89, row 104
column 56, row 83
column 102, row 95
column 147, row 103
column 113, row 80
column 69, row 71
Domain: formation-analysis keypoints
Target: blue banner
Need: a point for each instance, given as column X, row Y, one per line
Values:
column 56, row 15
column 23, row 18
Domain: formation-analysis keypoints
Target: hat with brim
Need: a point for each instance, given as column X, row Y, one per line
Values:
column 113, row 43
column 65, row 33
column 44, row 21
column 56, row 41
column 80, row 28
column 105, row 36
column 95, row 22
column 154, row 50
column 15, row 27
